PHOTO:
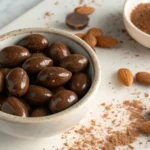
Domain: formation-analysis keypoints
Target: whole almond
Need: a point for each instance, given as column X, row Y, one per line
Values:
column 80, row 35
column 90, row 40
column 106, row 41
column 95, row 32
column 145, row 127
column 85, row 10
column 125, row 76
column 143, row 77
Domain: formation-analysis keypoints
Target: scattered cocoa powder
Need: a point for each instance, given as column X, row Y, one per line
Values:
column 84, row 136
column 140, row 17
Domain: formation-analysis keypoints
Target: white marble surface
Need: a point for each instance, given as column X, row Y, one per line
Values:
column 11, row 9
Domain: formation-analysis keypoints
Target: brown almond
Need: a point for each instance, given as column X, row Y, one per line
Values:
column 143, row 78
column 85, row 10
column 125, row 76
column 80, row 35
column 95, row 32
column 106, row 41
column 90, row 40
column 145, row 127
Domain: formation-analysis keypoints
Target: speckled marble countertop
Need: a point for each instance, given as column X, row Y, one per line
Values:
column 9, row 9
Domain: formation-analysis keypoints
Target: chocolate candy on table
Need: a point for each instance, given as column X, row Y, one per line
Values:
column 62, row 100
column 34, row 43
column 79, row 83
column 40, row 112
column 38, row 95
column 74, row 63
column 57, row 51
column 37, row 63
column 53, row 77
column 77, row 21
column 17, row 82
column 1, row 81
column 57, row 90
column 14, row 106
column 12, row 56
column 5, row 71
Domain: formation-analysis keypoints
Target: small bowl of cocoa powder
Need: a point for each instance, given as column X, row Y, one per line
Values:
column 136, row 15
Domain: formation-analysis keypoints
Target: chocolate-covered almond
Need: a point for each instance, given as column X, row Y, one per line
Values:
column 57, row 51
column 62, row 100
column 79, row 83
column 36, row 64
column 1, row 81
column 74, row 63
column 14, row 106
column 40, row 112
column 34, row 43
column 5, row 71
column 38, row 95
column 53, row 77
column 11, row 56
column 17, row 82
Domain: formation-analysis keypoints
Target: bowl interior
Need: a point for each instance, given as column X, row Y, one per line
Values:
column 77, row 46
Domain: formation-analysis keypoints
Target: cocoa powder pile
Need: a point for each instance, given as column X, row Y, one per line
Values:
column 140, row 17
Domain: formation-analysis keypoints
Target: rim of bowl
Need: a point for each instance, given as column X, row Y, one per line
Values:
column 129, row 20
column 94, row 86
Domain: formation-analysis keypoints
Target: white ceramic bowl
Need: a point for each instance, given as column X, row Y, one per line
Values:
column 51, row 125
column 140, row 36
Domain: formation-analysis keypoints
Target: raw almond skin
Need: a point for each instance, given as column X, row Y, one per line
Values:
column 85, row 10
column 143, row 78
column 80, row 35
column 90, row 40
column 95, row 32
column 145, row 127
column 106, row 41
column 125, row 76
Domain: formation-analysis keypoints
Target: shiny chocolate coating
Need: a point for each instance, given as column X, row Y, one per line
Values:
column 74, row 63
column 36, row 64
column 62, row 100
column 34, row 43
column 79, row 83
column 57, row 51
column 14, row 106
column 17, row 82
column 53, row 77
column 12, row 56
column 38, row 95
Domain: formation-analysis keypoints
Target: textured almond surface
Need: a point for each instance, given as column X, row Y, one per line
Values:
column 106, row 41
column 80, row 35
column 125, row 76
column 95, row 32
column 86, row 10
column 90, row 40
column 143, row 77
column 145, row 127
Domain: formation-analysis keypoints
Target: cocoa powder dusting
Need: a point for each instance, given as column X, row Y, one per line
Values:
column 140, row 17
column 93, row 136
